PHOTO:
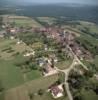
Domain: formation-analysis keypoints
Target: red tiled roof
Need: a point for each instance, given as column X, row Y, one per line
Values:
column 55, row 90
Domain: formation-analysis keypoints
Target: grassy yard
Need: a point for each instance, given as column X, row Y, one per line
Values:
column 48, row 96
column 96, row 60
column 1, row 96
column 63, row 64
column 37, row 45
column 42, row 83
column 34, row 74
column 6, row 42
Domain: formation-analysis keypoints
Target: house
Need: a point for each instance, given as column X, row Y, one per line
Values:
column 57, row 91
column 49, row 61
column 19, row 42
column 2, row 33
column 48, row 70
column 53, row 58
column 3, row 26
column 12, row 37
column 12, row 30
column 45, row 47
column 41, row 61
column 96, row 76
column 29, row 54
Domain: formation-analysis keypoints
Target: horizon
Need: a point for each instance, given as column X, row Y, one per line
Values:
column 83, row 2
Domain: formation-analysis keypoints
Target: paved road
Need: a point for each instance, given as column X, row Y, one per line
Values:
column 75, row 56
column 67, row 71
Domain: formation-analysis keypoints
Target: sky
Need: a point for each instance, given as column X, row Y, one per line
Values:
column 89, row 2
column 66, row 1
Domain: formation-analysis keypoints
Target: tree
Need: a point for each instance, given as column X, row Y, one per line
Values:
column 78, row 96
column 1, row 87
column 1, row 21
column 31, row 96
column 33, row 66
column 88, row 74
column 40, row 92
column 52, row 63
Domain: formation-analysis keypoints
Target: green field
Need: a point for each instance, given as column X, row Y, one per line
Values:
column 22, row 92
column 1, row 96
column 89, row 95
column 11, row 75
column 96, row 60
column 48, row 96
column 44, row 83
column 26, row 22
column 49, row 20
column 21, row 21
column 9, row 47
column 91, row 26
column 34, row 74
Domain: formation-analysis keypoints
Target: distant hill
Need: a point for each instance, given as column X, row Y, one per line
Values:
column 70, row 11
column 88, row 13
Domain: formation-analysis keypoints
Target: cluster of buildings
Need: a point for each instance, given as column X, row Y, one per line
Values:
column 7, row 30
column 50, row 32
column 77, row 48
column 47, row 64
column 67, row 37
column 81, row 52
column 56, row 90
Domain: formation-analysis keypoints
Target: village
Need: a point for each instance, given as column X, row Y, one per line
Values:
column 66, row 48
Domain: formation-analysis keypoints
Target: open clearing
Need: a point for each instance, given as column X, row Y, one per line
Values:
column 89, row 95
column 11, row 75
column 64, row 64
column 49, row 20
column 9, row 47
column 22, row 92
column 48, row 96
column 93, row 27
column 21, row 21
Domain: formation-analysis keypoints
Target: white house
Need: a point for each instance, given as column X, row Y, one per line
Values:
column 57, row 91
